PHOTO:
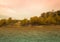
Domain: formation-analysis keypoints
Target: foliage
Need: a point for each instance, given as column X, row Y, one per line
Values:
column 34, row 20
column 24, row 22
column 46, row 18
column 2, row 22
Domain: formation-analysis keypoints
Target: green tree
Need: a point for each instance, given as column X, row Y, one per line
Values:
column 42, row 20
column 57, row 17
column 34, row 20
column 50, row 20
column 2, row 22
column 24, row 22
column 9, row 21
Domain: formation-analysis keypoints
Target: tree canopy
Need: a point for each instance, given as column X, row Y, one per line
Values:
column 46, row 18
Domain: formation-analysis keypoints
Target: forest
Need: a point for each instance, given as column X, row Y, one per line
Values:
column 46, row 18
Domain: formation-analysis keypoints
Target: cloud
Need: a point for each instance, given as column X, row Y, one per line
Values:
column 10, row 10
column 27, row 8
column 3, row 16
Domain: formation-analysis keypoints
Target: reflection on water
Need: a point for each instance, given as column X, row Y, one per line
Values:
column 29, row 36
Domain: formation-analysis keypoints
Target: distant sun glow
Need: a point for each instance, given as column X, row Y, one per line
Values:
column 20, row 9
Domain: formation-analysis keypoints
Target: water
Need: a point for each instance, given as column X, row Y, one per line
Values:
column 11, row 35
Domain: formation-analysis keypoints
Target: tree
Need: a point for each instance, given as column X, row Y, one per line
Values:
column 57, row 17
column 42, row 21
column 24, row 22
column 43, row 15
column 2, row 22
column 34, row 20
column 50, row 20
column 9, row 21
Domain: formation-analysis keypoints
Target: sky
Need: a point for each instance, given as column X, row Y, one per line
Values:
column 20, row 9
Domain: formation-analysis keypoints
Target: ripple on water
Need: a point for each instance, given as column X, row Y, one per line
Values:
column 30, row 36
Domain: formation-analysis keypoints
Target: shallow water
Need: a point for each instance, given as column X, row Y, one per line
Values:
column 14, row 35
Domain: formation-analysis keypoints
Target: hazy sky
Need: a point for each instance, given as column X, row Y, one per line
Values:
column 26, row 8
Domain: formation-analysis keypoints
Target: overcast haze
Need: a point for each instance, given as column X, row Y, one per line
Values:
column 20, row 9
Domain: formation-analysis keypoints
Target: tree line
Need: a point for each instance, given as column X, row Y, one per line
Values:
column 46, row 18
column 5, row 22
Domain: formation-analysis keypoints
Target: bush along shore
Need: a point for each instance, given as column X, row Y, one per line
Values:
column 46, row 18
